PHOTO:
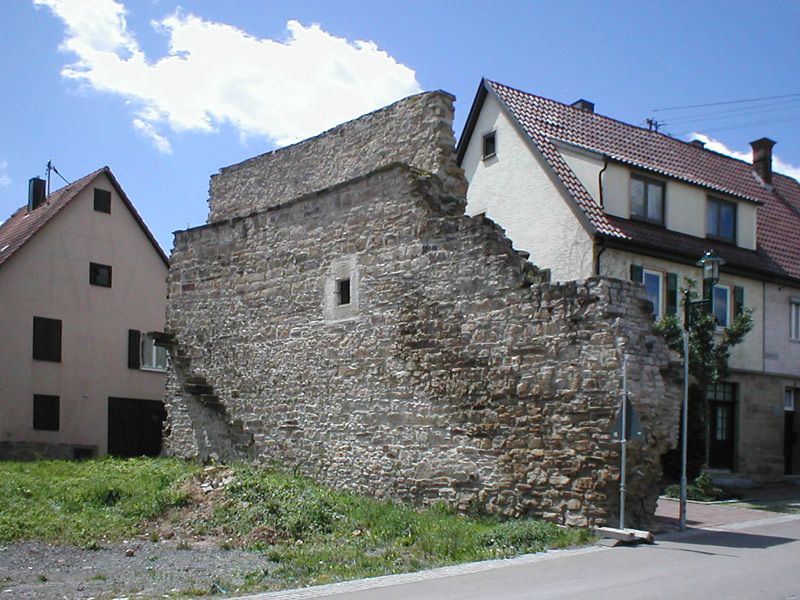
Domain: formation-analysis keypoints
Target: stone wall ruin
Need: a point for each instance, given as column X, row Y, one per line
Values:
column 456, row 371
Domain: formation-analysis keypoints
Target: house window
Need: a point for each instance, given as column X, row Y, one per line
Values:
column 102, row 201
column 794, row 318
column 144, row 353
column 343, row 291
column 720, row 303
column 654, row 285
column 46, row 339
column 721, row 220
column 100, row 274
column 647, row 199
column 489, row 145
column 45, row 412
column 789, row 394
column 153, row 356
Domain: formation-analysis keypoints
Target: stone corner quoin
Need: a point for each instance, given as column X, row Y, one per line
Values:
column 340, row 314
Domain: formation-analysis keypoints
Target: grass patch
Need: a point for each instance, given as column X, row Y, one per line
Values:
column 311, row 534
column 83, row 502
column 316, row 535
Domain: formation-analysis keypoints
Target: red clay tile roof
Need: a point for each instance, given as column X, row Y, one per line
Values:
column 547, row 121
column 22, row 225
column 655, row 238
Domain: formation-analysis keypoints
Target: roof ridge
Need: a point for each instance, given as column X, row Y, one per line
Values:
column 593, row 114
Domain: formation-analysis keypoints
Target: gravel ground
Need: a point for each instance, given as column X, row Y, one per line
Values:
column 154, row 570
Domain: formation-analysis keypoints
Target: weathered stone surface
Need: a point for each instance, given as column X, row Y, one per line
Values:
column 457, row 372
column 416, row 131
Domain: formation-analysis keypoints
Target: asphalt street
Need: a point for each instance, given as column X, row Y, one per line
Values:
column 758, row 559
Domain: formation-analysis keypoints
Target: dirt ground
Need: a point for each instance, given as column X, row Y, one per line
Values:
column 169, row 559
column 151, row 570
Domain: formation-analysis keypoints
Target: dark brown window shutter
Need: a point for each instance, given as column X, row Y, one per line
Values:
column 738, row 300
column 672, row 293
column 637, row 274
column 134, row 345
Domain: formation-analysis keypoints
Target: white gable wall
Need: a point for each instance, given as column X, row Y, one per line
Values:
column 49, row 277
column 515, row 190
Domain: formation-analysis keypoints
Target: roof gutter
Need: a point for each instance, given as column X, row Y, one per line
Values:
column 601, row 198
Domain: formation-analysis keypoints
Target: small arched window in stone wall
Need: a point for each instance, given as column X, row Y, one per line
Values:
column 340, row 289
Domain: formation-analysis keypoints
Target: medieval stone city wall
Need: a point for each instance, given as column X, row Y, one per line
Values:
column 456, row 372
column 416, row 131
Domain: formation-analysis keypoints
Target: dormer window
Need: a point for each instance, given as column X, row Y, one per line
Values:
column 647, row 199
column 721, row 220
column 489, row 145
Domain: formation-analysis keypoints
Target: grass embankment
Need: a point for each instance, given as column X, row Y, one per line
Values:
column 86, row 503
column 311, row 534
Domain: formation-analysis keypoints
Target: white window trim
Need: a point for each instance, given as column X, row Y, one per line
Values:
column 728, row 306
column 794, row 319
column 659, row 314
column 493, row 154
column 152, row 363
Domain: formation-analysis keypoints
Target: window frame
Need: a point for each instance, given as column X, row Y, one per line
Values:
column 794, row 319
column 42, row 419
column 717, row 203
column 94, row 269
column 658, row 311
column 648, row 181
column 104, row 197
column 728, row 305
column 149, row 353
column 490, row 137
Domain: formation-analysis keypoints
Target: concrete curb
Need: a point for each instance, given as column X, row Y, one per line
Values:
column 440, row 573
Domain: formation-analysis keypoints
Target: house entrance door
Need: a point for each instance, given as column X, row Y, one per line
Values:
column 134, row 427
column 722, row 426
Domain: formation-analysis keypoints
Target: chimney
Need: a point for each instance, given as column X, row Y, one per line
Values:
column 762, row 158
column 583, row 105
column 698, row 144
column 36, row 193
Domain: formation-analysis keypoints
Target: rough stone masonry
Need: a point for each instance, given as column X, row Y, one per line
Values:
column 341, row 315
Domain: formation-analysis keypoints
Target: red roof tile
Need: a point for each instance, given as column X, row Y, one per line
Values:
column 23, row 225
column 778, row 227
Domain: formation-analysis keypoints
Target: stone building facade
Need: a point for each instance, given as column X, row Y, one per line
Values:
column 341, row 315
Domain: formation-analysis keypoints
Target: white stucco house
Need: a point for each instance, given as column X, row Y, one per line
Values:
column 588, row 195
column 82, row 286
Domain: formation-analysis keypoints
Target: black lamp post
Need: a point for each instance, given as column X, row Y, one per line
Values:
column 710, row 263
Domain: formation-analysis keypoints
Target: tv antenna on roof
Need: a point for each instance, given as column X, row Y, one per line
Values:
column 52, row 167
column 653, row 125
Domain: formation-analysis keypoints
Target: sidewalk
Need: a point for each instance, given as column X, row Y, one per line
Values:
column 782, row 499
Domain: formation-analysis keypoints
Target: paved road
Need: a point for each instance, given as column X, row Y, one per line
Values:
column 758, row 559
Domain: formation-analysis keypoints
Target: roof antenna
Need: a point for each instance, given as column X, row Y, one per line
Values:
column 653, row 125
column 52, row 167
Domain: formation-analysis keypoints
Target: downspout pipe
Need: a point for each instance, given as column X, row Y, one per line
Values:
column 601, row 238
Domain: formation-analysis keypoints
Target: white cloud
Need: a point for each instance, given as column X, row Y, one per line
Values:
column 777, row 164
column 159, row 141
column 215, row 73
column 5, row 180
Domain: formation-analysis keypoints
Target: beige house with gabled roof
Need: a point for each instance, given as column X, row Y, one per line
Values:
column 588, row 195
column 82, row 285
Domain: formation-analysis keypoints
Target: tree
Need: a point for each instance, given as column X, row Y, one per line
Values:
column 709, row 352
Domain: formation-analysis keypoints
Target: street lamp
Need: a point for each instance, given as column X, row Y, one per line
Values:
column 710, row 264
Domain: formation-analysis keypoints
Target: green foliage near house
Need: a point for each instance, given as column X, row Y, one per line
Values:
column 709, row 353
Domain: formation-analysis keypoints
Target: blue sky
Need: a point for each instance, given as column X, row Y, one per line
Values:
column 166, row 93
